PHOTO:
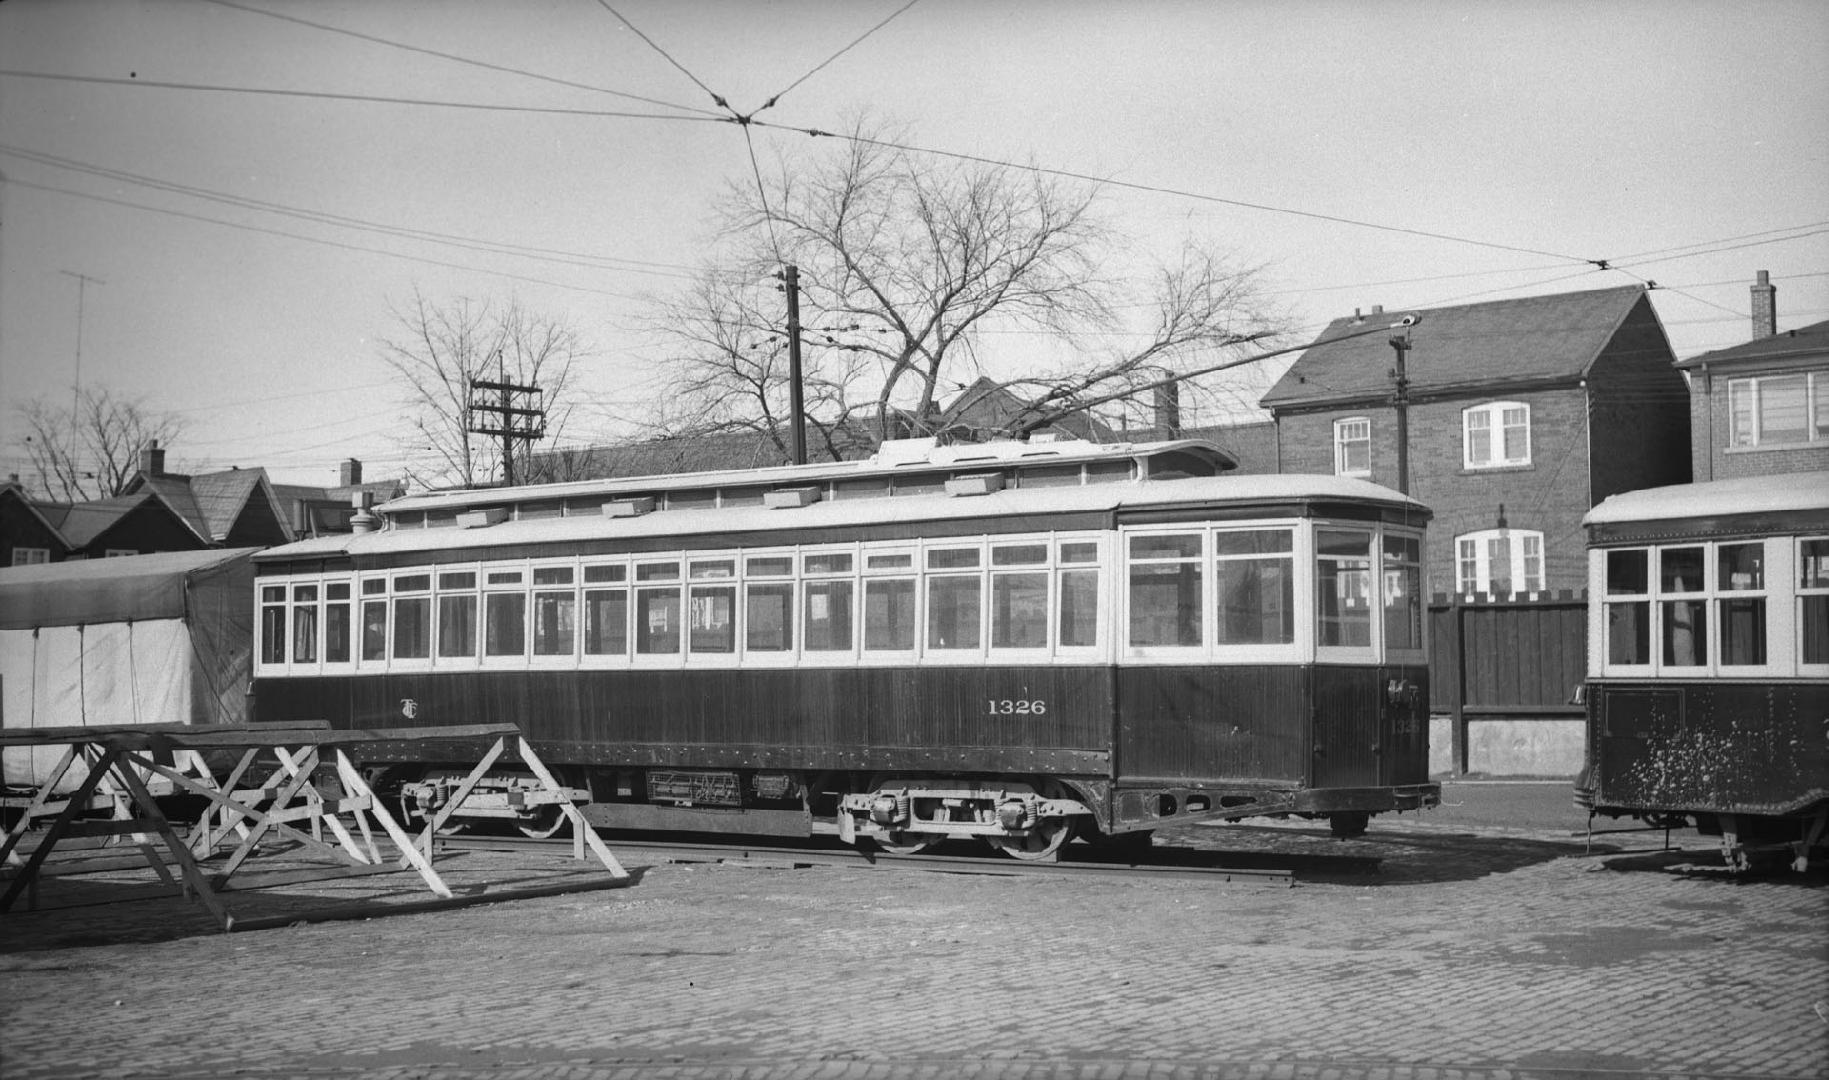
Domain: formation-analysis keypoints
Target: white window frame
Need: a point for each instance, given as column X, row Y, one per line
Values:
column 1373, row 650
column 1302, row 615
column 1747, row 391
column 1352, row 429
column 590, row 661
column 1492, row 437
column 1519, row 545
column 31, row 556
column 1794, row 581
column 1199, row 652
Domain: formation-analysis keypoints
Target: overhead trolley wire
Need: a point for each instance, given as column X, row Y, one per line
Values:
column 453, row 57
column 817, row 68
column 717, row 99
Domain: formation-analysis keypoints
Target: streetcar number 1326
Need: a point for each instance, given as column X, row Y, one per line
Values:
column 1009, row 707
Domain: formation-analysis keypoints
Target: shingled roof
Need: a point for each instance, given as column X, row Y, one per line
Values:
column 1812, row 340
column 1470, row 347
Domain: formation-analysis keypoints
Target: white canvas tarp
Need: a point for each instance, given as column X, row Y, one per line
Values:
column 148, row 639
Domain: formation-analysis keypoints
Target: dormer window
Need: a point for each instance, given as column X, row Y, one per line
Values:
column 1496, row 435
column 1353, row 446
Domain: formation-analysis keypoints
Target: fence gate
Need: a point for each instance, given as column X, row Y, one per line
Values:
column 1520, row 658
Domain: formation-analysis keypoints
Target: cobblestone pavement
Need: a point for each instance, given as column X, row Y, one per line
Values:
column 1498, row 953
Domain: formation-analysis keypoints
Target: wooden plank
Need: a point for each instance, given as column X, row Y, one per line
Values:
column 139, row 734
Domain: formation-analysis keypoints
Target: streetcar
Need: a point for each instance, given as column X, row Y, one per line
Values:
column 1708, row 661
column 1018, row 642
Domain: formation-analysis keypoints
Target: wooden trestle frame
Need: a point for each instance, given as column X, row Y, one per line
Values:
column 120, row 760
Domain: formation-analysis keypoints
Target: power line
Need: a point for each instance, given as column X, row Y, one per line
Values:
column 484, row 64
column 822, row 64
column 714, row 95
column 316, row 240
column 602, row 262
column 380, row 99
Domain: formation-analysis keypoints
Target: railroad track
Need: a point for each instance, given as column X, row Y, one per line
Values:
column 1161, row 863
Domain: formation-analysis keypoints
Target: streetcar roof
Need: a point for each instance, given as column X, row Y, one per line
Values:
column 1278, row 494
column 1783, row 493
column 895, row 457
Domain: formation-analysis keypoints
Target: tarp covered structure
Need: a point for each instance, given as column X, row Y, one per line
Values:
column 144, row 639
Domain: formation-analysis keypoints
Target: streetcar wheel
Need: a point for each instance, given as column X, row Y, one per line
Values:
column 414, row 821
column 546, row 824
column 1347, row 824
column 908, row 843
column 1041, row 843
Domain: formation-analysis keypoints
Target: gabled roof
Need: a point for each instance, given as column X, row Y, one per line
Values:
column 176, row 491
column 1470, row 347
column 86, row 521
column 1803, row 342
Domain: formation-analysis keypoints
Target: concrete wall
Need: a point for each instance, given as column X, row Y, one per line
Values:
column 1503, row 748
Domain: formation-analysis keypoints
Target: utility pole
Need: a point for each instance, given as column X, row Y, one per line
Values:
column 83, row 281
column 790, row 278
column 515, row 402
column 1400, row 400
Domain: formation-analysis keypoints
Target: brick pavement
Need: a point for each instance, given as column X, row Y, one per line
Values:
column 1466, row 956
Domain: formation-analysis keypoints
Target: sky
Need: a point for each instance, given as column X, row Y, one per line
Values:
column 169, row 170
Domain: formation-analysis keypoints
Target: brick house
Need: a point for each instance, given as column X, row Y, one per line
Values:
column 1522, row 415
column 1763, row 407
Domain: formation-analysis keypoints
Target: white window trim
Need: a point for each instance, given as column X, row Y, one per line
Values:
column 1783, row 612
column 1816, row 385
column 1483, row 561
column 1340, row 468
column 31, row 556
column 1494, row 411
column 1776, row 590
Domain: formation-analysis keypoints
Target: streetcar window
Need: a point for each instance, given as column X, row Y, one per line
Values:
column 1079, row 607
column 904, row 561
column 831, row 562
column 769, row 566
column 505, row 624
column 1165, row 590
column 273, row 624
column 374, row 586
column 412, row 583
column 1254, row 577
column 597, row 574
column 889, row 613
column 952, row 611
column 606, row 620
column 713, row 611
column 305, row 624
column 828, row 613
column 715, row 568
column 769, row 618
column 1019, row 608
column 1685, row 617
column 336, row 623
column 1628, row 620
column 1019, row 554
column 552, row 575
column 1403, row 588
column 504, row 577
column 1079, row 552
column 657, row 571
column 1343, row 587
column 456, row 622
column 1741, row 609
column 374, row 628
column 952, row 558
column 465, row 580
column 555, row 625
column 1813, row 584
column 412, row 624
column 657, row 621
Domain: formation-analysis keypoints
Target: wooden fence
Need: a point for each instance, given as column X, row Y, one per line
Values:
column 1507, row 659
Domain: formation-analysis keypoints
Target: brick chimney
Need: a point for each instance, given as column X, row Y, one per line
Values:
column 1765, row 306
column 152, row 458
column 1168, row 410
column 350, row 473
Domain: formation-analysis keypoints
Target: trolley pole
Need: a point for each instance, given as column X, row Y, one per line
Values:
column 796, row 405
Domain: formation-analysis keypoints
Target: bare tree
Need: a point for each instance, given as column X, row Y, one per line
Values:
column 91, row 448
column 442, row 350
column 906, row 262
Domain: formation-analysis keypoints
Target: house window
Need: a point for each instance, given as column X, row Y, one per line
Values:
column 1499, row 561
column 28, row 556
column 119, row 553
column 1353, row 446
column 1496, row 434
column 1778, row 410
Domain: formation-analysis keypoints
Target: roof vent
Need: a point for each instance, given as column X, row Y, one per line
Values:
column 975, row 484
column 789, row 498
column 482, row 519
column 904, row 451
column 629, row 507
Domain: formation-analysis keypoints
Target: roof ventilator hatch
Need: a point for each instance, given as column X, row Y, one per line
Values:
column 975, row 484
column 617, row 508
column 482, row 519
column 790, row 498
